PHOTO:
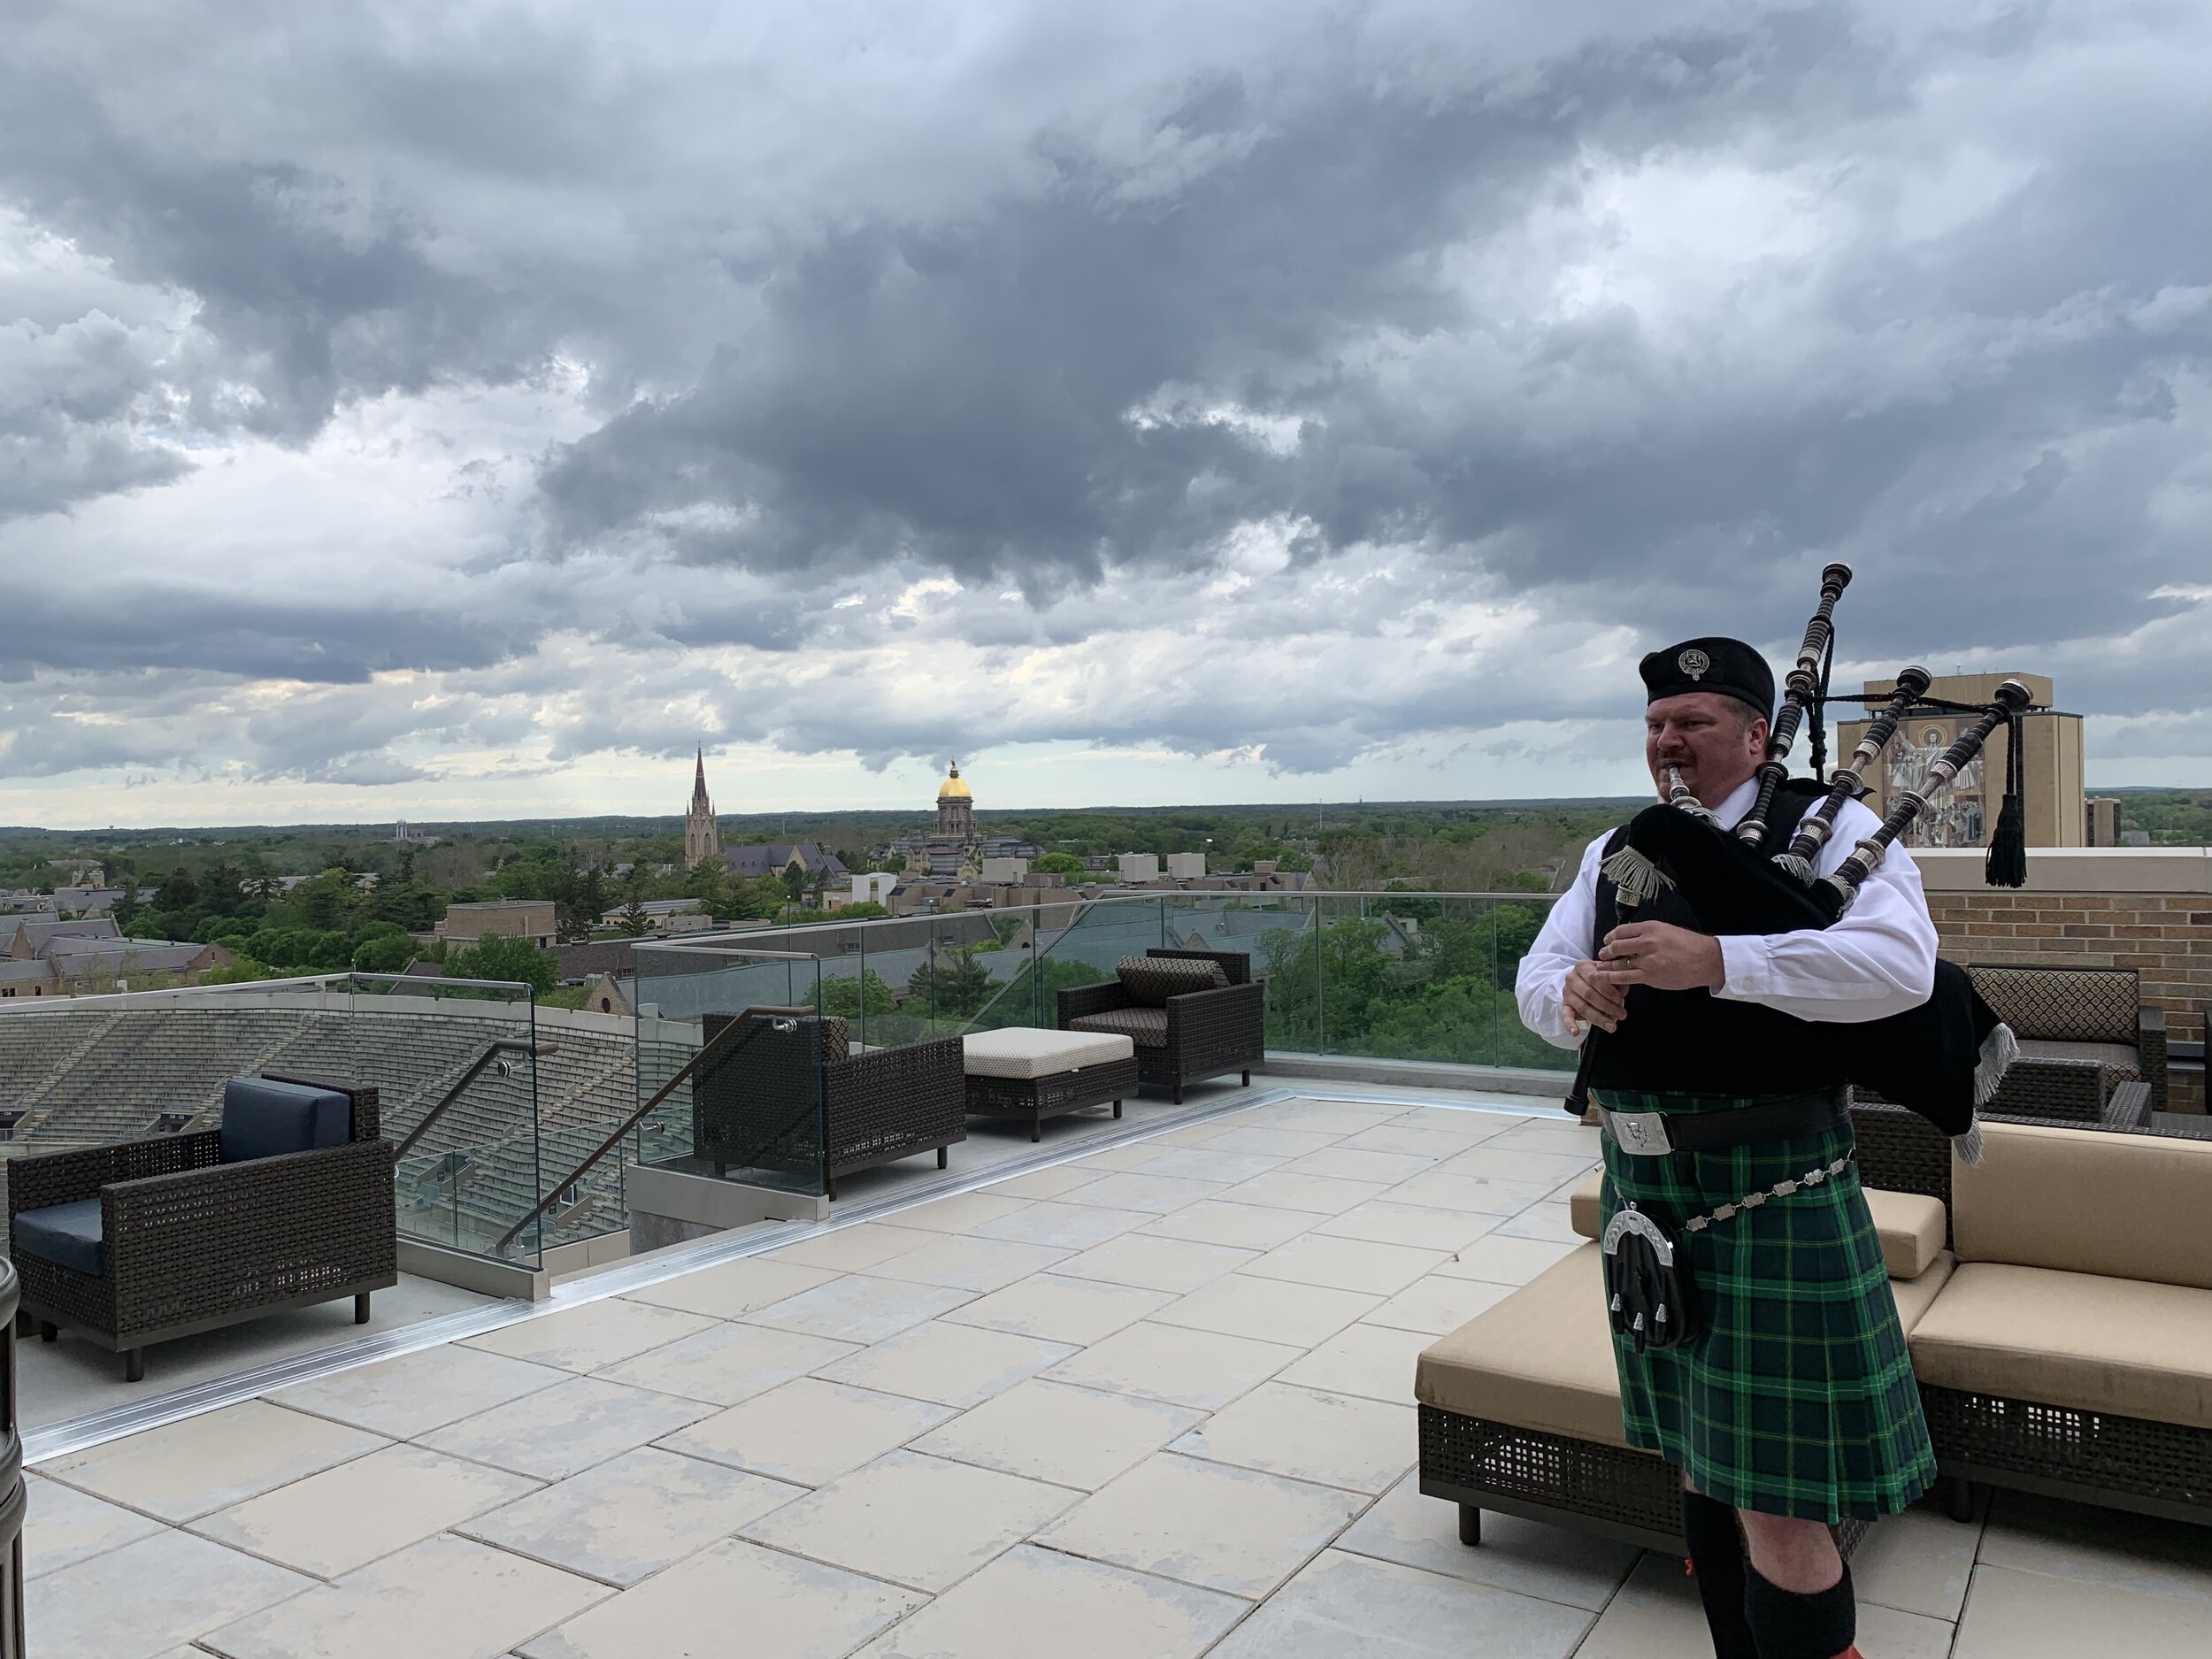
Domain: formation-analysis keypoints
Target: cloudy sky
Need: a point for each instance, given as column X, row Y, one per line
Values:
column 457, row 409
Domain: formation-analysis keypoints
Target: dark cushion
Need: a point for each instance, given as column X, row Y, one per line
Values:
column 68, row 1234
column 262, row 1120
column 1151, row 980
column 2119, row 1059
column 1147, row 1027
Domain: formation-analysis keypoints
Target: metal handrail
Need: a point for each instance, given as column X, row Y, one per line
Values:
column 504, row 1045
column 14, row 1497
column 734, row 1028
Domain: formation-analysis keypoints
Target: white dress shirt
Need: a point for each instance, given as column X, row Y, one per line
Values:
column 1879, row 959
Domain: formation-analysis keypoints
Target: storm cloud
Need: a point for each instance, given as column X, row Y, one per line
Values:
column 406, row 398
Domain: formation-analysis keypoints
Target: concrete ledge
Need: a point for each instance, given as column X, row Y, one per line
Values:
column 2074, row 869
column 1474, row 1080
column 478, row 1273
column 669, row 1206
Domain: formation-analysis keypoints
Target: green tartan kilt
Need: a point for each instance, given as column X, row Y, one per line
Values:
column 1799, row 1398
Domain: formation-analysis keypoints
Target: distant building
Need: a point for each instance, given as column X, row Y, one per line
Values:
column 80, row 964
column 703, row 835
column 952, row 848
column 405, row 835
column 25, row 938
column 875, row 887
column 773, row 858
column 532, row 920
column 1139, row 867
column 662, row 916
column 1186, row 866
column 1965, row 813
column 2102, row 828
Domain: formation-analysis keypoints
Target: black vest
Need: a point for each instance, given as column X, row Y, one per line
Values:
column 1693, row 1042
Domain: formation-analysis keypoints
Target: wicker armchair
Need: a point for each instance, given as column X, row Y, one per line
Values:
column 794, row 1100
column 1205, row 1032
column 186, row 1242
column 2068, row 1020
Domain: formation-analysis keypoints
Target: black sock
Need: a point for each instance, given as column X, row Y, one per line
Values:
column 1790, row 1627
column 1716, row 1558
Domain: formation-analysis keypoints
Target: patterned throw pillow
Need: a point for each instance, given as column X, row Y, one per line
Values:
column 1151, row 980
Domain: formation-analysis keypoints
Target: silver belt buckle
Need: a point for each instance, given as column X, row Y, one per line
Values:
column 1639, row 1134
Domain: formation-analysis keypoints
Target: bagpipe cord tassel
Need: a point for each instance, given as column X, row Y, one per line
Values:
column 1635, row 875
column 2008, row 865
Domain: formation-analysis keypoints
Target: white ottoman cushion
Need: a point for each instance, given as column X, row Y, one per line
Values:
column 1022, row 1051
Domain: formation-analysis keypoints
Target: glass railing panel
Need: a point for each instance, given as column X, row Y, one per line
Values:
column 457, row 1065
column 751, row 1027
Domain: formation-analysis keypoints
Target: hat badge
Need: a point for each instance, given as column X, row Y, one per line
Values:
column 1694, row 662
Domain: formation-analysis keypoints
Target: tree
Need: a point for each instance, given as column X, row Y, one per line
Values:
column 496, row 956
column 384, row 953
column 1058, row 864
column 634, row 921
column 849, row 998
column 794, row 879
column 893, row 864
column 953, row 987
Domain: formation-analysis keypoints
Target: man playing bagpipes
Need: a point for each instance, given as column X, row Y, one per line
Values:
column 1728, row 1002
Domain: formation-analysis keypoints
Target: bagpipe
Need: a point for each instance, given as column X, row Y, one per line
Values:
column 1943, row 1058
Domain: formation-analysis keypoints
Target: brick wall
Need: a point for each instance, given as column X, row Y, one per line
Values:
column 2166, row 937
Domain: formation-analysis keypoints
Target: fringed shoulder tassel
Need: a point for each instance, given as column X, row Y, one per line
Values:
column 1999, row 1050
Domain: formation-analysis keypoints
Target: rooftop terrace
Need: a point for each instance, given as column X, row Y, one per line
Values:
column 1148, row 1396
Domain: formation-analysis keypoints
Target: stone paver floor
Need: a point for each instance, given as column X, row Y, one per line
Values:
column 1150, row 1404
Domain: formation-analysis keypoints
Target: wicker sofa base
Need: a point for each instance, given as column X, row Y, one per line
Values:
column 1609, row 1490
column 2160, row 1469
column 1038, row 1098
column 49, row 1322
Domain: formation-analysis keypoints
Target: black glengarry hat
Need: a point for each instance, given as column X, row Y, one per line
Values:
column 1725, row 666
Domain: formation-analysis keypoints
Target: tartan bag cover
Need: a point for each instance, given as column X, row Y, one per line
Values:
column 1799, row 1399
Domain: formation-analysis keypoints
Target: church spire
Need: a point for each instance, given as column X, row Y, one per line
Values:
column 703, row 836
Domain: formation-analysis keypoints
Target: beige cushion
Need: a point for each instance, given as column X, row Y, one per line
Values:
column 2123, row 1206
column 1541, row 1359
column 1147, row 1027
column 2075, row 1339
column 1022, row 1051
column 1151, row 980
column 1910, row 1224
column 1915, row 1296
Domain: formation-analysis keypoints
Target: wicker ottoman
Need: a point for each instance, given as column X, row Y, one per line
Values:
column 1020, row 1072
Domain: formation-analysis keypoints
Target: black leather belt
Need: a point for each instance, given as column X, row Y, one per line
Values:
column 1655, row 1134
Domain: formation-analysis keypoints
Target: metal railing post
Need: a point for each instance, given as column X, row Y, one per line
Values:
column 14, row 1497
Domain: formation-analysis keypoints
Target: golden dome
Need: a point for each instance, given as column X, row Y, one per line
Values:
column 953, row 789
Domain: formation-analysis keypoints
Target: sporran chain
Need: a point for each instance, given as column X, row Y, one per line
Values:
column 1780, row 1189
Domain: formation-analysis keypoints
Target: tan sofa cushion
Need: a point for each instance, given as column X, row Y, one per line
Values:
column 1910, row 1224
column 1541, row 1359
column 2077, row 1340
column 2085, row 1200
column 1915, row 1296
